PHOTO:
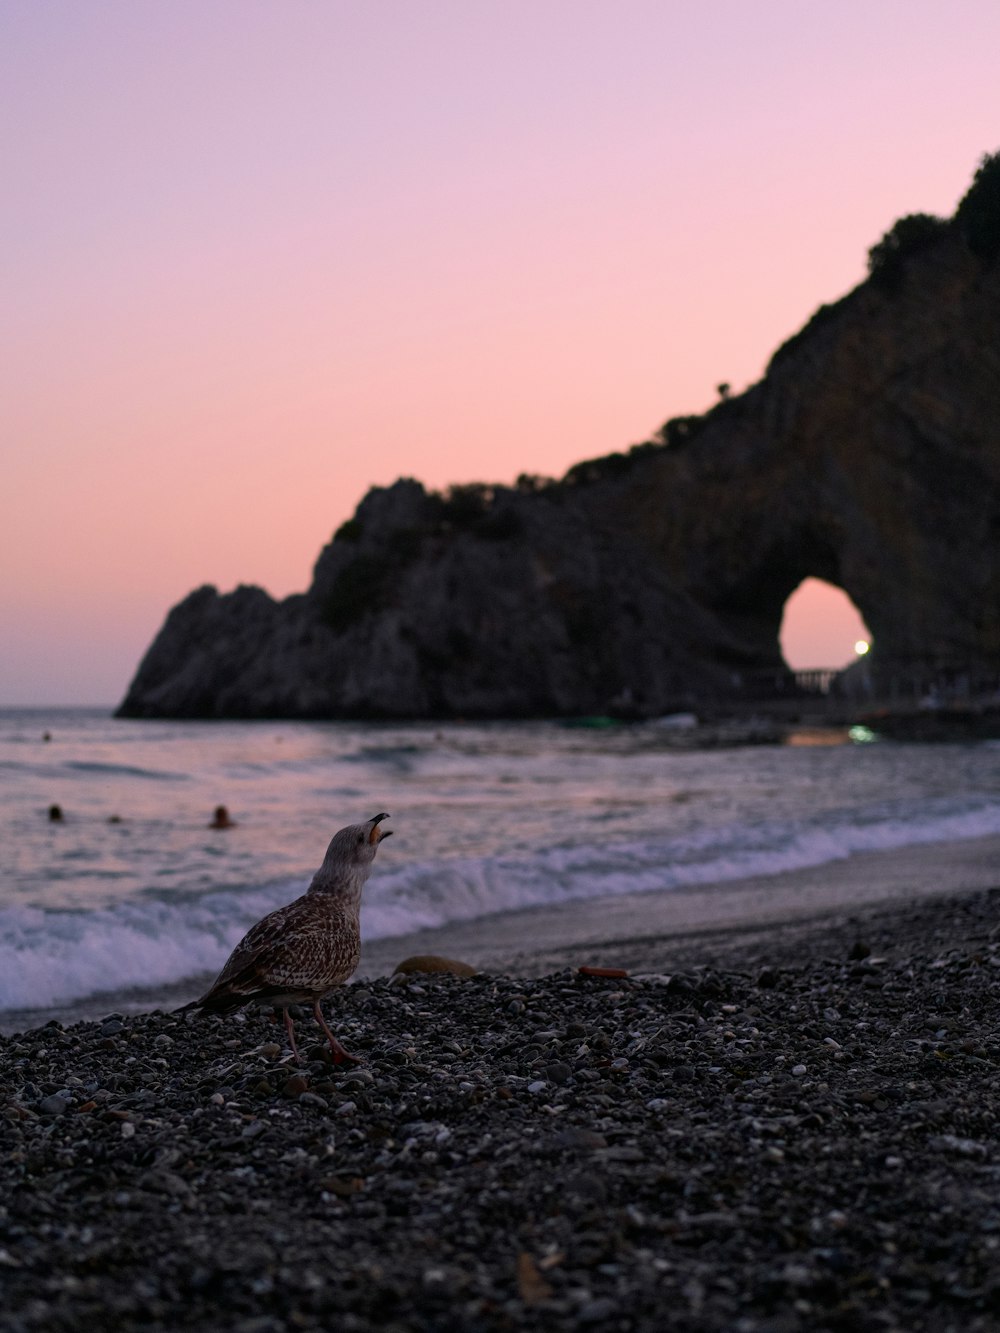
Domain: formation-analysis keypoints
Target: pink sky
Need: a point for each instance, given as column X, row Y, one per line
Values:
column 257, row 257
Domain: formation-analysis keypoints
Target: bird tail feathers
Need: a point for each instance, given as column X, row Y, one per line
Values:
column 224, row 1002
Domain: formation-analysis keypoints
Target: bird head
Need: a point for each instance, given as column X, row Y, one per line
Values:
column 349, row 857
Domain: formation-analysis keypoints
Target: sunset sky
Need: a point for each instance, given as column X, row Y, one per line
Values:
column 257, row 257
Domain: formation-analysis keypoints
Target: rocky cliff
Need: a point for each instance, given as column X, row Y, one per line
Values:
column 868, row 456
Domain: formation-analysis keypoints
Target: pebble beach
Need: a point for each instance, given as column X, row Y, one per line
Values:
column 773, row 1130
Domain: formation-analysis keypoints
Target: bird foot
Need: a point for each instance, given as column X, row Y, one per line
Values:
column 340, row 1056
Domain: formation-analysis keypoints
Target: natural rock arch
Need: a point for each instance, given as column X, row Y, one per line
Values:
column 820, row 626
column 869, row 457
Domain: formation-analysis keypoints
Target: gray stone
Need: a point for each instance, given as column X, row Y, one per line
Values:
column 56, row 1104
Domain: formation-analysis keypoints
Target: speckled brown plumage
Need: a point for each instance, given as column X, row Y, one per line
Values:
column 299, row 953
column 296, row 954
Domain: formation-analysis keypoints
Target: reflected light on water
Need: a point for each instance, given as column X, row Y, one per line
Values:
column 862, row 735
column 809, row 736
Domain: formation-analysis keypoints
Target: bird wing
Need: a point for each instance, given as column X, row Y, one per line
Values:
column 295, row 948
column 263, row 942
column 264, row 959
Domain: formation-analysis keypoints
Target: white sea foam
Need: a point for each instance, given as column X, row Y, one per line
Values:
column 49, row 958
column 55, row 957
column 435, row 894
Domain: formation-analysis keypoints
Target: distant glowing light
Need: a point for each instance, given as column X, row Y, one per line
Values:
column 861, row 647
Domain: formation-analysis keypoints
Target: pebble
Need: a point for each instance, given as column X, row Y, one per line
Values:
column 597, row 1312
column 574, row 1137
column 633, row 1156
column 56, row 1104
column 357, row 1078
column 313, row 1099
column 433, row 963
column 954, row 1143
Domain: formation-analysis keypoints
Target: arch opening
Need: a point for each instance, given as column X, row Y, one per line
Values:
column 821, row 628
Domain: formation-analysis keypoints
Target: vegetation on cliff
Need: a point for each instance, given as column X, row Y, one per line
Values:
column 905, row 238
column 978, row 214
column 363, row 586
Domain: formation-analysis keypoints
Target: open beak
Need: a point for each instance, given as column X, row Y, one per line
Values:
column 377, row 834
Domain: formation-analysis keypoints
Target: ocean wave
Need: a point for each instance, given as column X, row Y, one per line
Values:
column 432, row 895
column 53, row 957
column 56, row 957
column 402, row 756
column 123, row 771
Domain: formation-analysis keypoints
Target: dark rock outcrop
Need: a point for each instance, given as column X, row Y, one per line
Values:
column 868, row 456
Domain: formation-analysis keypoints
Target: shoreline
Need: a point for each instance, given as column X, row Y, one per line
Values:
column 647, row 931
column 802, row 1135
column 642, row 932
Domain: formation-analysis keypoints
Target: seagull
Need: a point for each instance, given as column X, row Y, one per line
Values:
column 301, row 952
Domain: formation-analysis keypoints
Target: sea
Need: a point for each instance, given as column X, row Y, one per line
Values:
column 132, row 891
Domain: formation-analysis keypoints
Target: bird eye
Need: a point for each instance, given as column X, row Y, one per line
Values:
column 361, row 837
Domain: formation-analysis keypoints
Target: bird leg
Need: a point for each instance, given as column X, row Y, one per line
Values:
column 339, row 1054
column 290, row 1029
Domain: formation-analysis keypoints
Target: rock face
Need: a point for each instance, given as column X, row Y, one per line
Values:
column 645, row 582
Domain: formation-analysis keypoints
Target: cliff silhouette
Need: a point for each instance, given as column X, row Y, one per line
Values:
column 641, row 582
